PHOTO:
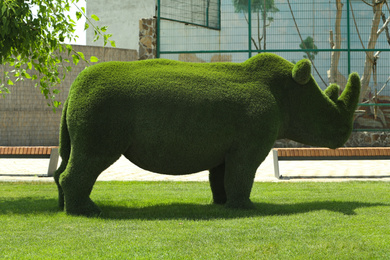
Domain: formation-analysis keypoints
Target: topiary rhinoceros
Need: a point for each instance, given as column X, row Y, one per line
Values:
column 180, row 118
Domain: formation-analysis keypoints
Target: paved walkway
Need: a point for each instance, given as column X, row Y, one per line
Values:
column 123, row 170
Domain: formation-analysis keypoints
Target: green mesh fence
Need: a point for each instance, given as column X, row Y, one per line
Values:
column 202, row 13
column 339, row 36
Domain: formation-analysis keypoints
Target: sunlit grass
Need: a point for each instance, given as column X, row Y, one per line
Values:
column 172, row 220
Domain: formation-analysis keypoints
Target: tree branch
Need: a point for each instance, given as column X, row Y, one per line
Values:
column 300, row 36
column 386, row 22
column 369, row 62
column 334, row 75
column 253, row 40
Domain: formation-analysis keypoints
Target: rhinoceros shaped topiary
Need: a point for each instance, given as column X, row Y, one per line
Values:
column 179, row 118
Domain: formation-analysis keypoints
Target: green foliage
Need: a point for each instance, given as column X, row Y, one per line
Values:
column 32, row 37
column 262, row 8
column 173, row 220
column 257, row 6
column 308, row 43
column 179, row 118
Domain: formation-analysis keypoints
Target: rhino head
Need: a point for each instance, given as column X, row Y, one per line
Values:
column 315, row 117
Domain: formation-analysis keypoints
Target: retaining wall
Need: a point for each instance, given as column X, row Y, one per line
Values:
column 25, row 118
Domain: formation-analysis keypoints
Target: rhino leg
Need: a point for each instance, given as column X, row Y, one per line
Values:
column 217, row 184
column 57, row 174
column 78, row 179
column 240, row 171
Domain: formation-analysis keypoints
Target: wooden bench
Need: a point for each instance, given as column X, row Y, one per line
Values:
column 36, row 152
column 353, row 153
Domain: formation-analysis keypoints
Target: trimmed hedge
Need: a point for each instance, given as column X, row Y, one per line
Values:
column 178, row 118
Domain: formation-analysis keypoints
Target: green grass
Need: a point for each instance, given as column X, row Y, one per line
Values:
column 172, row 220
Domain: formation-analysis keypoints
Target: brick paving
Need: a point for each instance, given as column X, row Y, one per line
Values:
column 123, row 170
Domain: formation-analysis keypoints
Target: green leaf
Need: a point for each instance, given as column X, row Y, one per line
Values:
column 94, row 59
column 9, row 82
column 76, row 59
column 29, row 65
column 83, row 8
column 56, row 103
column 113, row 44
column 3, row 9
column 86, row 26
column 78, row 15
column 95, row 17
column 26, row 75
column 106, row 36
column 69, row 48
column 81, row 55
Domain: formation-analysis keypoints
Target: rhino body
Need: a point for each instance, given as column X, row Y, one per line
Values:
column 179, row 118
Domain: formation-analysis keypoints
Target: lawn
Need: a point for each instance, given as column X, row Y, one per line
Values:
column 175, row 220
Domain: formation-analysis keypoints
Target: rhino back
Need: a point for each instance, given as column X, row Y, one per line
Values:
column 161, row 84
column 164, row 111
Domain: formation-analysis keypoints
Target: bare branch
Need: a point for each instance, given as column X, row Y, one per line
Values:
column 331, row 39
column 370, row 61
column 253, row 40
column 384, row 85
column 384, row 26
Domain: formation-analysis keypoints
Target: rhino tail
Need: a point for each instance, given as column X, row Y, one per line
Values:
column 64, row 151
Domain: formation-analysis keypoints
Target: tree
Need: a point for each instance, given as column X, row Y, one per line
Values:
column 32, row 37
column 261, row 8
column 371, row 59
column 308, row 43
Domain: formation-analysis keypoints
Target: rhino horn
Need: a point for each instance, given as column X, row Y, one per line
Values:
column 349, row 99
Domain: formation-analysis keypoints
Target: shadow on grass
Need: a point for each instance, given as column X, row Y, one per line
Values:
column 30, row 205
column 207, row 212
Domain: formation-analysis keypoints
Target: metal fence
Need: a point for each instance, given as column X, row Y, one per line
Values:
column 338, row 36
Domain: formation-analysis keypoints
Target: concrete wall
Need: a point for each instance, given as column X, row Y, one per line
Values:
column 25, row 118
column 122, row 18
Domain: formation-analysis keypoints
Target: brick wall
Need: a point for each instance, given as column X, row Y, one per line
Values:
column 25, row 118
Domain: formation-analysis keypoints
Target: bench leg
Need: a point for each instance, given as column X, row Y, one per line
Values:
column 276, row 163
column 53, row 162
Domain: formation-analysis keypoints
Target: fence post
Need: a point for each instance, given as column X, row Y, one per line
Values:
column 250, row 28
column 348, row 39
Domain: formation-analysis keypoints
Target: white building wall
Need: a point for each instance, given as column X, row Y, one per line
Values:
column 122, row 18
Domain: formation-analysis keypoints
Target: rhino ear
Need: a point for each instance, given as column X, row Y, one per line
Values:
column 301, row 72
column 333, row 92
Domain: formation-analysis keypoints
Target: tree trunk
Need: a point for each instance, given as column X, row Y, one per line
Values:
column 334, row 75
column 368, row 64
